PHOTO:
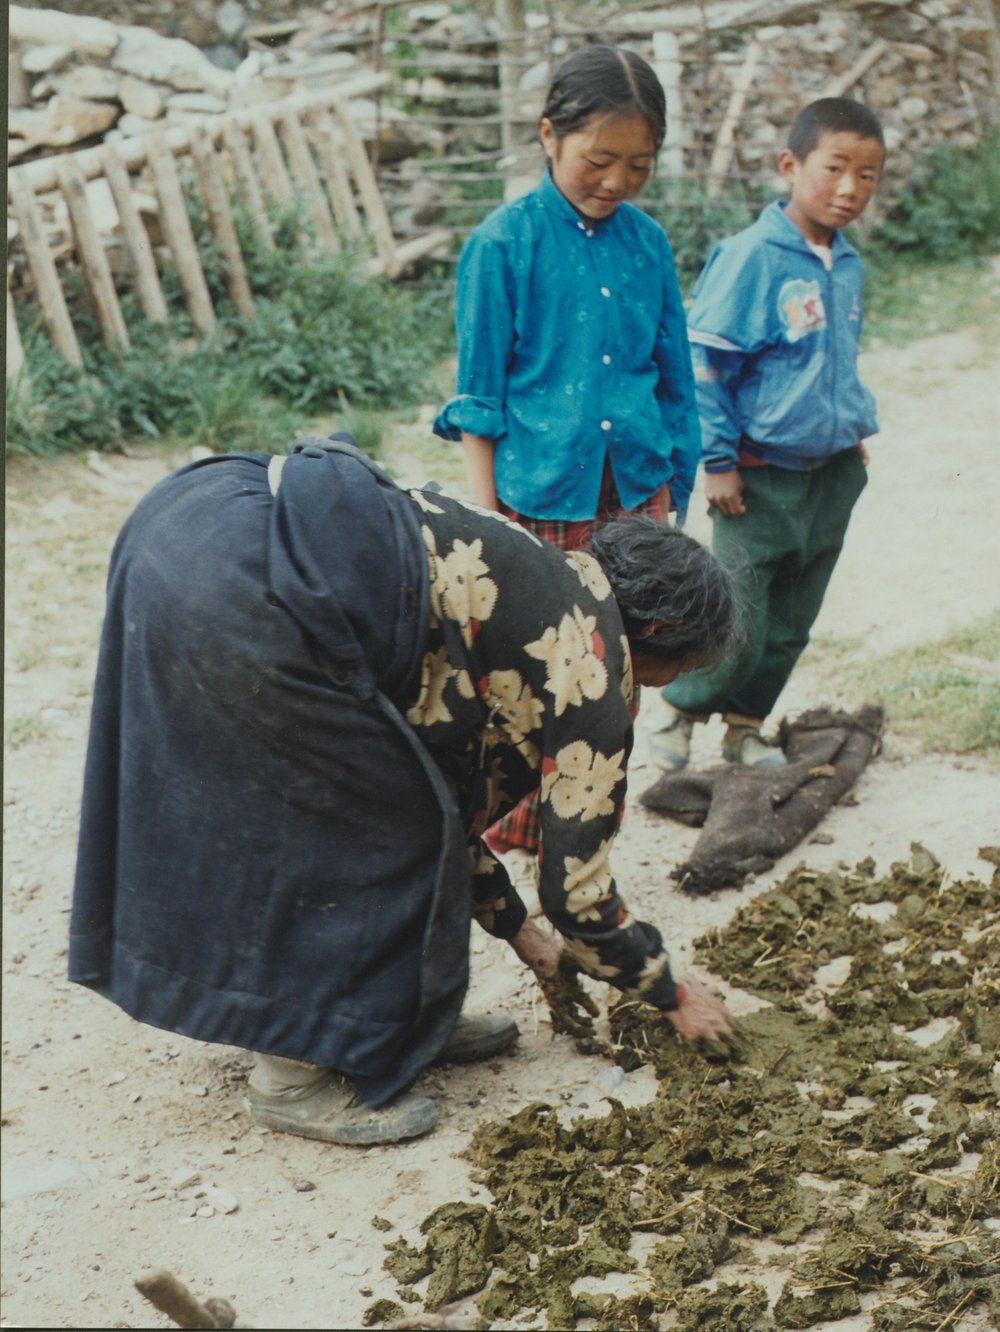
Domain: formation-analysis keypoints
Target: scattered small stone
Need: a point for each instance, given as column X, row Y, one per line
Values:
column 196, row 1089
column 185, row 1178
column 221, row 1200
column 354, row 1267
column 205, row 1211
column 303, row 1185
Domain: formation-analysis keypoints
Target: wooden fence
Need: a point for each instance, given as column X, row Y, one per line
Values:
column 305, row 149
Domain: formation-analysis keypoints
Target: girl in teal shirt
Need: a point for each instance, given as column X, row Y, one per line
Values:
column 575, row 395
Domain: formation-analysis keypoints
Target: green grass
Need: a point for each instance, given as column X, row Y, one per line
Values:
column 909, row 297
column 24, row 729
column 327, row 340
column 945, row 693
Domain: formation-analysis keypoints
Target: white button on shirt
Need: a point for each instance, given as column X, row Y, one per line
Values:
column 606, row 359
column 605, row 291
column 605, row 425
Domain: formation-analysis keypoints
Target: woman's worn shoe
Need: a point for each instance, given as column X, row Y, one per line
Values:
column 671, row 747
column 479, row 1038
column 332, row 1112
column 746, row 745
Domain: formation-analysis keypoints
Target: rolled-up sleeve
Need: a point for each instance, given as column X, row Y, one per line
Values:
column 484, row 335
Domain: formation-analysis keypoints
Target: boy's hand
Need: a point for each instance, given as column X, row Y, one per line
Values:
column 724, row 491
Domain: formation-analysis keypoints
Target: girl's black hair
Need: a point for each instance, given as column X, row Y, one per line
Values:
column 676, row 600
column 605, row 81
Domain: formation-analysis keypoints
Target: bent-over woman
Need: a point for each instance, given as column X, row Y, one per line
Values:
column 315, row 691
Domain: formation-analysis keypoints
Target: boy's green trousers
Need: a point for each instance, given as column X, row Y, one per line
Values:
column 782, row 552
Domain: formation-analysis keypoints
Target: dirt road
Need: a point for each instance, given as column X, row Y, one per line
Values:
column 128, row 1148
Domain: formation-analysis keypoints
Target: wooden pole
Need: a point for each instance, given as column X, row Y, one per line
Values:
column 666, row 62
column 510, row 19
column 18, row 86
column 272, row 165
column 220, row 218
column 135, row 238
column 724, row 143
column 371, row 198
column 338, row 182
column 869, row 57
column 178, row 234
column 173, row 1298
column 991, row 12
column 51, row 301
column 15, row 347
column 247, row 183
column 92, row 256
column 304, row 169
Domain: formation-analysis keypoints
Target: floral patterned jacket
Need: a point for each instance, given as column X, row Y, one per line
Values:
column 526, row 681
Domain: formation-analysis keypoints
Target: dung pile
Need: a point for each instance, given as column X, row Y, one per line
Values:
column 856, row 1122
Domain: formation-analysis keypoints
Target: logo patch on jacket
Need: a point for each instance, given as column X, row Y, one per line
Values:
column 800, row 308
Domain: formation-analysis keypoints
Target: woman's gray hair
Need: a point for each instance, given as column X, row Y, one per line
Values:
column 676, row 600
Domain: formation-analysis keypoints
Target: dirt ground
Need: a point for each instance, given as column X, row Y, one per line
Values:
column 127, row 1148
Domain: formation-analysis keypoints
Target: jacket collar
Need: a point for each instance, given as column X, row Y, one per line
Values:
column 782, row 230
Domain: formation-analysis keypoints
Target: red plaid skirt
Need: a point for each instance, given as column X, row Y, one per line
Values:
column 522, row 826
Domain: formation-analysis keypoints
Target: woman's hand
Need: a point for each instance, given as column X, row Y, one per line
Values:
column 724, row 491
column 701, row 1015
column 538, row 949
column 571, row 1009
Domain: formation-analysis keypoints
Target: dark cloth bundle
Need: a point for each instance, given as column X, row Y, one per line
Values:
column 753, row 816
column 247, row 872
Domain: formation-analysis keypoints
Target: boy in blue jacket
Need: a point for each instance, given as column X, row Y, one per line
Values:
column 774, row 331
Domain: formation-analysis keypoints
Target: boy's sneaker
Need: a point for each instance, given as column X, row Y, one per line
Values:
column 332, row 1112
column 746, row 745
column 671, row 747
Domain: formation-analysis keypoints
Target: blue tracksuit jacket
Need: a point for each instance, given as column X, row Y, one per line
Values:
column 774, row 340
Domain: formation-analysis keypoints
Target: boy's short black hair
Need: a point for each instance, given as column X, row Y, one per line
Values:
column 838, row 115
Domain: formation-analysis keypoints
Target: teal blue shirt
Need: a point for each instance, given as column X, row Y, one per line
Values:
column 573, row 350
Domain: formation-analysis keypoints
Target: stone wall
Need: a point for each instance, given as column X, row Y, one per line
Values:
column 80, row 79
column 930, row 69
